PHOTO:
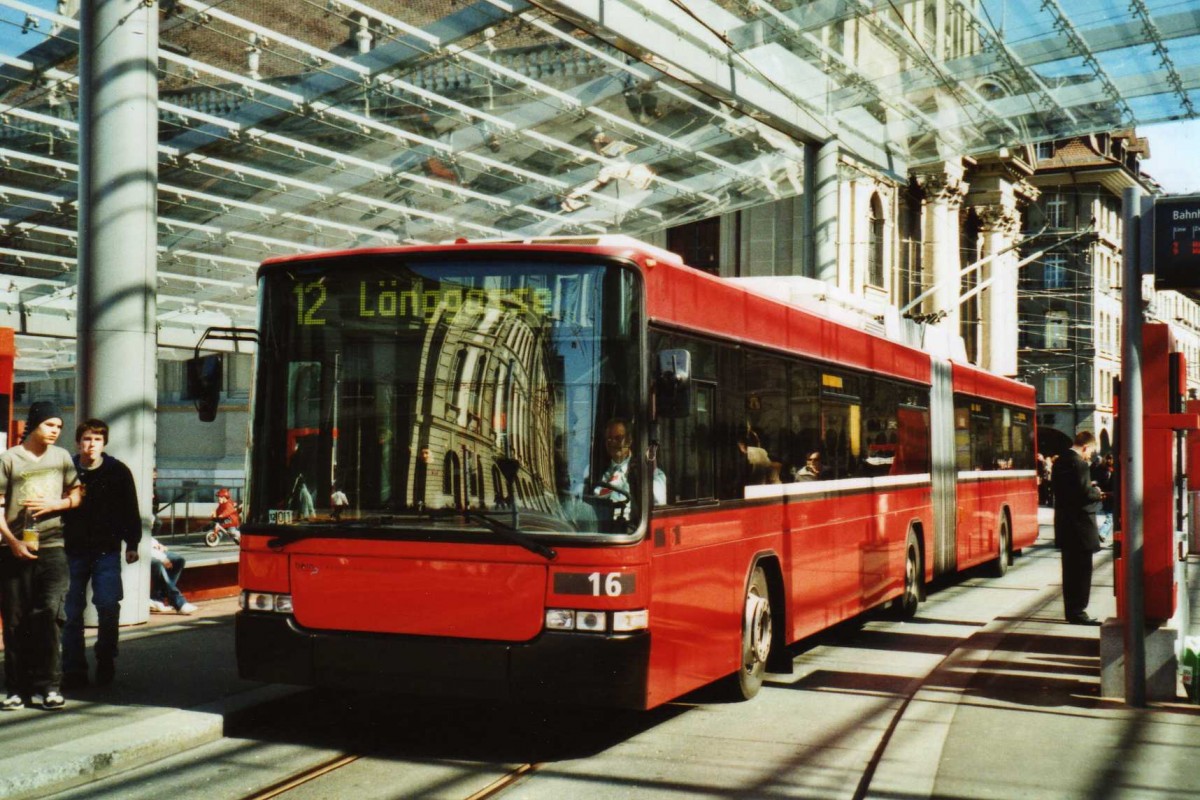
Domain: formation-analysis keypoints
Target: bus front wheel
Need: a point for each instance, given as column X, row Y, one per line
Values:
column 756, row 636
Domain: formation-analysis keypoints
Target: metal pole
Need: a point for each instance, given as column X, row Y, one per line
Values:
column 1131, row 451
column 118, row 173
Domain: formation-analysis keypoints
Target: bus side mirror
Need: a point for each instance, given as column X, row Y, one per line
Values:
column 204, row 379
column 673, row 384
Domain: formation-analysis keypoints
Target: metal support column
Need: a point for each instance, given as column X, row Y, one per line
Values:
column 1132, row 462
column 118, row 174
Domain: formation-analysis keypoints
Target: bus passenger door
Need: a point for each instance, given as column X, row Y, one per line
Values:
column 693, row 602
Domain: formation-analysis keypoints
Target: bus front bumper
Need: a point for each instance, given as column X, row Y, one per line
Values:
column 555, row 667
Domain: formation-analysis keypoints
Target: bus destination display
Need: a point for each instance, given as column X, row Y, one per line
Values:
column 321, row 301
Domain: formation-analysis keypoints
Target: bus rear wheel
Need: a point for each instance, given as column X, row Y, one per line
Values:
column 1000, row 565
column 757, row 634
column 910, row 599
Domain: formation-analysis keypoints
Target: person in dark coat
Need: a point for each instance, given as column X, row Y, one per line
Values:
column 1075, row 532
column 107, row 522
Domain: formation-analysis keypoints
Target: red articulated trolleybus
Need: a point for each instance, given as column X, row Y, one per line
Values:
column 581, row 471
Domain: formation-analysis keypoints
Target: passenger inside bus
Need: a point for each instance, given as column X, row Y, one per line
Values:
column 759, row 468
column 811, row 470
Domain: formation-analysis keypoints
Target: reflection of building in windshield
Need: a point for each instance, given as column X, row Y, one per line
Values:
column 482, row 431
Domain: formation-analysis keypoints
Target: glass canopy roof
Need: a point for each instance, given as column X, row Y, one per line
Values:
column 313, row 124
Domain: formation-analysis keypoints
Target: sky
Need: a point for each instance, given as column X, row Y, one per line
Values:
column 1174, row 155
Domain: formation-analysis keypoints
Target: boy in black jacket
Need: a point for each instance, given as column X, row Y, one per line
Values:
column 107, row 517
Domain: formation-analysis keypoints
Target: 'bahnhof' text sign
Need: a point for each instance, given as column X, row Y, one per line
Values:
column 1177, row 242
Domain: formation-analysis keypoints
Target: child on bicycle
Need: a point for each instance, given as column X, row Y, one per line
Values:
column 226, row 513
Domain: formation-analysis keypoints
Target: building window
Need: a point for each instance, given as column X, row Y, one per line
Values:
column 698, row 243
column 1054, row 270
column 1057, row 323
column 1056, row 211
column 1054, row 389
column 875, row 243
column 1045, row 150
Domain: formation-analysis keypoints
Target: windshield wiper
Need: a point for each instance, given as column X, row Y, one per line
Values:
column 498, row 526
column 317, row 531
column 515, row 536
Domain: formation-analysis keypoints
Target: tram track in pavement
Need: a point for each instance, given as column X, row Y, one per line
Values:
column 304, row 776
column 331, row 765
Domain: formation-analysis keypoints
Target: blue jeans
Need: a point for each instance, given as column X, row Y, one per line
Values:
column 162, row 581
column 104, row 572
column 31, row 600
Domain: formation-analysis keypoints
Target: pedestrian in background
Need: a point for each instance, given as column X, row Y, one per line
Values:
column 1102, row 476
column 38, row 483
column 338, row 502
column 1075, row 531
column 107, row 519
column 165, row 569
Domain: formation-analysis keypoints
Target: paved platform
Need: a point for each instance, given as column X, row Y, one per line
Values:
column 1013, row 711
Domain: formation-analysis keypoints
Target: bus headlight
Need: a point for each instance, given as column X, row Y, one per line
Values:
column 590, row 621
column 593, row 621
column 624, row 621
column 267, row 601
column 560, row 619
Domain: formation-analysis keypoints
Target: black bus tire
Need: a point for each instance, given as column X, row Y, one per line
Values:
column 910, row 598
column 757, row 632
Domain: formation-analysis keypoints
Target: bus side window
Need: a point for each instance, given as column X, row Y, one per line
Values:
column 804, row 416
column 761, row 439
column 686, row 454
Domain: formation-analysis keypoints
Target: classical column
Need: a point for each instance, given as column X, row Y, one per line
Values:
column 825, row 213
column 1000, row 230
column 944, row 192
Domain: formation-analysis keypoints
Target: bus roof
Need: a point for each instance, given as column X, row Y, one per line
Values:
column 609, row 245
column 981, row 383
column 689, row 299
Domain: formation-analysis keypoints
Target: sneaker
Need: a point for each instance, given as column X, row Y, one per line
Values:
column 13, row 702
column 188, row 608
column 53, row 700
column 158, row 607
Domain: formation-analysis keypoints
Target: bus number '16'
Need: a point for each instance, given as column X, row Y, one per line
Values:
column 596, row 584
column 316, row 291
column 611, row 581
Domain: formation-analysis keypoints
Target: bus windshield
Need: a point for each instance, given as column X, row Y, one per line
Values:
column 417, row 392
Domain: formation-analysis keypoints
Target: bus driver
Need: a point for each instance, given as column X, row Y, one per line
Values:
column 614, row 483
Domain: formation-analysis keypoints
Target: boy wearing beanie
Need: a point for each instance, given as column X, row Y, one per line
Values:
column 39, row 483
